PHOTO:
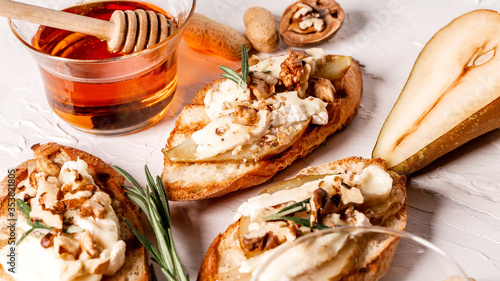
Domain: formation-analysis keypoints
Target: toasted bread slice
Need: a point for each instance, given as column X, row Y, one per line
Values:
column 226, row 254
column 200, row 180
column 135, row 267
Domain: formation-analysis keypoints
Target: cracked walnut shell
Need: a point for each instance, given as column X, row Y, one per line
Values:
column 309, row 22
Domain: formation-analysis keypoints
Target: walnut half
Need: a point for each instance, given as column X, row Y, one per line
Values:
column 308, row 22
column 244, row 115
column 266, row 242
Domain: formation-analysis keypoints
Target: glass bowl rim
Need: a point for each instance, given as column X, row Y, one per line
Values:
column 349, row 229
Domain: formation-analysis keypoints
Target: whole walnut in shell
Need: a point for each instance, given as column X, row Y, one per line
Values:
column 309, row 22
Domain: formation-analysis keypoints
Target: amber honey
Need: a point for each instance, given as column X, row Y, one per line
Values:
column 106, row 104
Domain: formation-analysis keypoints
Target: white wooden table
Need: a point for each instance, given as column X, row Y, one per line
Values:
column 454, row 202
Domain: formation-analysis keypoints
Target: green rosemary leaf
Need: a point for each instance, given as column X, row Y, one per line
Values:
column 39, row 224
column 25, row 209
column 244, row 64
column 130, row 179
column 302, row 205
column 230, row 78
column 178, row 266
column 232, row 75
column 292, row 209
column 24, row 236
column 279, row 216
column 133, row 191
column 144, row 241
column 304, row 222
column 155, row 195
column 139, row 201
column 164, row 200
column 230, row 72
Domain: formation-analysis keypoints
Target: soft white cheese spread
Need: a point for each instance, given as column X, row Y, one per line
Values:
column 271, row 65
column 293, row 109
column 376, row 183
column 219, row 101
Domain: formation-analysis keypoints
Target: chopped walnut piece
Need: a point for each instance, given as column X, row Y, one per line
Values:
column 332, row 205
column 244, row 115
column 69, row 189
column 283, row 138
column 67, row 244
column 78, row 179
column 220, row 131
column 266, row 242
column 260, row 89
column 35, row 177
column 348, row 213
column 295, row 229
column 262, row 105
column 291, row 71
column 58, row 208
column 323, row 89
column 47, row 166
column 262, row 85
column 47, row 240
column 300, row 54
column 92, row 208
column 74, row 203
column 317, row 201
column 88, row 245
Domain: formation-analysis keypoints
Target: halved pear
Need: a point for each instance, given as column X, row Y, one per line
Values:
column 335, row 67
column 452, row 94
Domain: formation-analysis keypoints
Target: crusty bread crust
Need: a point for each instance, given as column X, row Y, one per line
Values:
column 225, row 250
column 135, row 267
column 193, row 181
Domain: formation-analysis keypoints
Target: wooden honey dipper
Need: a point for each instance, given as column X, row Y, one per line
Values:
column 125, row 32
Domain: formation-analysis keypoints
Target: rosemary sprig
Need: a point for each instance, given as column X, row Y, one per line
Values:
column 26, row 210
column 300, row 206
column 234, row 76
column 153, row 202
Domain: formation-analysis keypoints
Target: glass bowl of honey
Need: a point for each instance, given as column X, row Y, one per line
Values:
column 99, row 91
column 359, row 253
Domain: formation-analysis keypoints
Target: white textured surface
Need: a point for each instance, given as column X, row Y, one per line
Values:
column 454, row 202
